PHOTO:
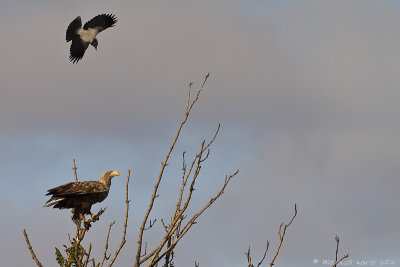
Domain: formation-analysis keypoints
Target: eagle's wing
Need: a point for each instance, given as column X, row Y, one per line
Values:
column 101, row 22
column 73, row 28
column 77, row 49
column 76, row 189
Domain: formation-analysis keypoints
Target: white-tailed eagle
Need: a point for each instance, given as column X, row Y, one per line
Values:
column 82, row 37
column 80, row 196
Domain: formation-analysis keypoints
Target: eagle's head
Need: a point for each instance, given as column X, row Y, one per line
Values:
column 107, row 176
column 94, row 43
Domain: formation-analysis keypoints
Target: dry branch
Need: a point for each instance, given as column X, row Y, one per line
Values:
column 192, row 221
column 249, row 263
column 88, row 255
column 31, row 249
column 75, row 174
column 106, row 246
column 281, row 239
column 189, row 107
column 178, row 226
column 337, row 261
column 123, row 241
column 282, row 235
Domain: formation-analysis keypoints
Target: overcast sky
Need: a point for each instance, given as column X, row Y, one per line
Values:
column 307, row 94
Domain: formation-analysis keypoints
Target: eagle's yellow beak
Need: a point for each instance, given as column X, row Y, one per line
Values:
column 114, row 173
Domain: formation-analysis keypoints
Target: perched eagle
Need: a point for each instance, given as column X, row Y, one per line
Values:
column 82, row 37
column 80, row 196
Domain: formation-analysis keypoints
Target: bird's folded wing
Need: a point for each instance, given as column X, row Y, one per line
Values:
column 80, row 188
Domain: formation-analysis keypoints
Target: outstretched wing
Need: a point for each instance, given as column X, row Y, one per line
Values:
column 72, row 30
column 77, row 49
column 101, row 22
column 77, row 189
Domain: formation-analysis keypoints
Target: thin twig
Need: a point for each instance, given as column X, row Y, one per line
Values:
column 282, row 235
column 213, row 138
column 336, row 254
column 165, row 227
column 106, row 246
column 123, row 241
column 265, row 254
column 88, row 255
column 164, row 164
column 249, row 263
column 31, row 249
column 192, row 221
column 76, row 256
column 178, row 217
column 167, row 256
column 342, row 258
column 178, row 204
column 75, row 174
column 151, row 224
column 183, row 185
column 188, row 99
column 337, row 247
column 248, row 258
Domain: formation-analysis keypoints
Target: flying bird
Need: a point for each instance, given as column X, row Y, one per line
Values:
column 80, row 196
column 82, row 37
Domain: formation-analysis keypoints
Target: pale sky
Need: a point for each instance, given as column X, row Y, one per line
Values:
column 306, row 92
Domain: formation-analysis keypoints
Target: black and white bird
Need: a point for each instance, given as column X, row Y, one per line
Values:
column 82, row 37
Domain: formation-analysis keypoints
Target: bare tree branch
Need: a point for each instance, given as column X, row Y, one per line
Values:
column 265, row 254
column 31, row 249
column 189, row 107
column 337, row 247
column 192, row 221
column 248, row 256
column 181, row 206
column 88, row 255
column 336, row 254
column 282, row 235
column 151, row 224
column 168, row 257
column 123, row 241
column 75, row 174
column 106, row 246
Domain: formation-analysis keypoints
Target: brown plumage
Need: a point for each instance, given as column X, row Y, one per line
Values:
column 80, row 196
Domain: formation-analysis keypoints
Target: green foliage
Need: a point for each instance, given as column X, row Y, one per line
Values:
column 74, row 253
column 60, row 259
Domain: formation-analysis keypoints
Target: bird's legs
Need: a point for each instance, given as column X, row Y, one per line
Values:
column 79, row 215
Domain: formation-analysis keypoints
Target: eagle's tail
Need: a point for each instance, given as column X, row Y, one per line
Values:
column 52, row 201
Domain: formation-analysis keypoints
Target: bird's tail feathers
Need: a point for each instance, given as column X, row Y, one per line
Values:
column 53, row 201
